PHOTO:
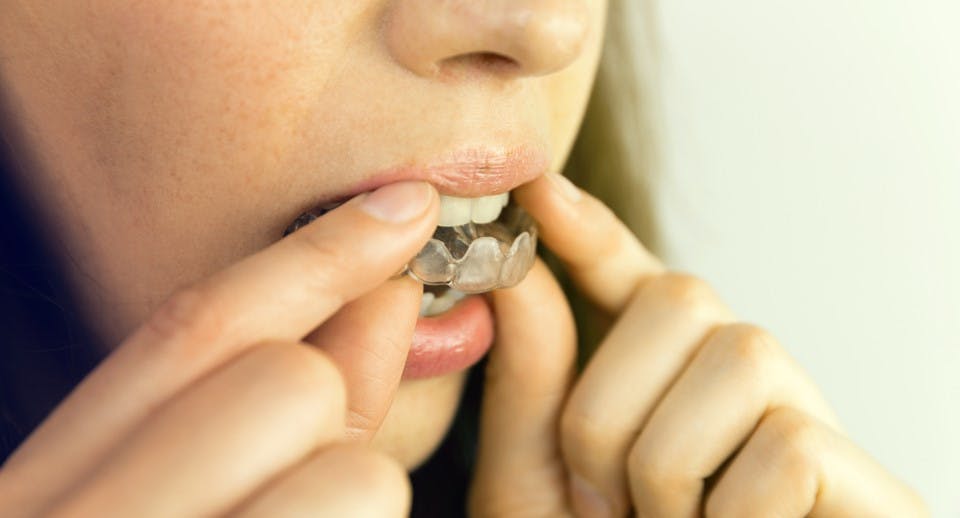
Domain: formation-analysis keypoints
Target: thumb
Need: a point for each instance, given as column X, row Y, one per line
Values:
column 369, row 339
column 519, row 464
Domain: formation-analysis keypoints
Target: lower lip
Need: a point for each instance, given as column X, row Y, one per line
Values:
column 452, row 341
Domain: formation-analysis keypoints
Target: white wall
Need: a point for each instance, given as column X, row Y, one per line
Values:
column 813, row 175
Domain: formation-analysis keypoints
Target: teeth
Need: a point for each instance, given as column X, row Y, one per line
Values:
column 425, row 302
column 456, row 211
column 431, row 305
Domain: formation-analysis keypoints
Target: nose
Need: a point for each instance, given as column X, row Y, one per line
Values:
column 514, row 37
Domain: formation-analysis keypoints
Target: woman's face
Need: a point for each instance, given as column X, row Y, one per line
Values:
column 170, row 139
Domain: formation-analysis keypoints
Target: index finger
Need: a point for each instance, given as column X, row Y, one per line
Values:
column 280, row 293
column 602, row 255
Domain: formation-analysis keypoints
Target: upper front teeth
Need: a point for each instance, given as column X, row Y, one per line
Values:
column 460, row 211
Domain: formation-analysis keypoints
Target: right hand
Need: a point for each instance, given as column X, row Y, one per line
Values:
column 215, row 404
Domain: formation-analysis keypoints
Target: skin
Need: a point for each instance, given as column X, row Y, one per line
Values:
column 147, row 118
column 143, row 119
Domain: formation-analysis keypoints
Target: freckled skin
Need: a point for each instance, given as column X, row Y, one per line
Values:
column 169, row 139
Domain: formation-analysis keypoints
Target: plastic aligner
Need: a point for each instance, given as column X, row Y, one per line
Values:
column 471, row 258
column 476, row 258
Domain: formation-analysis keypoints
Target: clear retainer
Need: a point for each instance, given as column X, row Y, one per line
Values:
column 472, row 258
column 475, row 258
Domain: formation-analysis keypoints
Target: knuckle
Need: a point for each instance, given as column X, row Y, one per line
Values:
column 304, row 372
column 647, row 470
column 723, row 505
column 380, row 484
column 382, row 472
column 685, row 292
column 654, row 475
column 192, row 315
column 654, row 483
column 581, row 432
column 797, row 440
column 787, row 447
column 747, row 345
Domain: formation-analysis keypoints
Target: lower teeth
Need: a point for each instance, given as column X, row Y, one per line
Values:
column 435, row 302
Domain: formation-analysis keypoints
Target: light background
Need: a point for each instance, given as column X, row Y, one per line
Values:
column 812, row 174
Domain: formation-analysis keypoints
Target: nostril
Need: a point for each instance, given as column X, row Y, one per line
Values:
column 510, row 38
column 492, row 59
column 489, row 62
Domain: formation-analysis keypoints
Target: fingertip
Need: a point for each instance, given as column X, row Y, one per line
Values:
column 400, row 202
column 573, row 224
column 363, row 243
column 564, row 187
column 604, row 257
column 534, row 196
column 551, row 191
column 393, row 216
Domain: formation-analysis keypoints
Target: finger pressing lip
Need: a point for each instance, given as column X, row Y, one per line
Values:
column 369, row 339
column 527, row 379
column 602, row 255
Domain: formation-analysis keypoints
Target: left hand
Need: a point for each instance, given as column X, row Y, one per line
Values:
column 682, row 411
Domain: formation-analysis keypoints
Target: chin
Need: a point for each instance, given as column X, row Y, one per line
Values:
column 422, row 412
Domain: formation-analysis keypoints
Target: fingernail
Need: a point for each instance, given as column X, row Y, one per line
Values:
column 398, row 202
column 565, row 187
column 586, row 501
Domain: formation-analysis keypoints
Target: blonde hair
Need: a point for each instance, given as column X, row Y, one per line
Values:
column 615, row 156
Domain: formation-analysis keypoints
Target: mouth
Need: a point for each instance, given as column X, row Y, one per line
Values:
column 481, row 244
column 492, row 247
column 483, row 241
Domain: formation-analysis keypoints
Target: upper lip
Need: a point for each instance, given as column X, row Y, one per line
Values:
column 469, row 172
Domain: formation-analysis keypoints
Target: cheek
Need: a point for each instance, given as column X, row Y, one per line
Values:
column 569, row 90
column 568, row 101
column 190, row 114
column 221, row 88
column 419, row 418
